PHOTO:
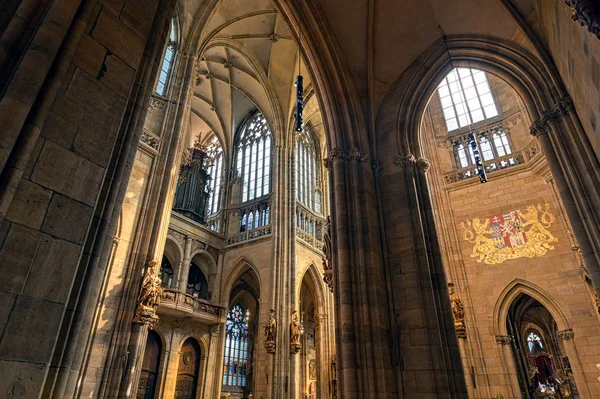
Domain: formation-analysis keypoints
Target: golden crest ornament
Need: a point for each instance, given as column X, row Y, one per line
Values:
column 511, row 235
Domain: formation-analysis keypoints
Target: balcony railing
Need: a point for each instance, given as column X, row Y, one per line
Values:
column 249, row 235
column 176, row 300
column 493, row 165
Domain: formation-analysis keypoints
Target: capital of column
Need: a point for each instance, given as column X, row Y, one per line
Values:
column 566, row 335
column 405, row 161
column 347, row 156
column 551, row 116
column 503, row 339
column 423, row 164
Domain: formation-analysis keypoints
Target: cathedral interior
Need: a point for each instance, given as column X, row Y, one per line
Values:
column 300, row 199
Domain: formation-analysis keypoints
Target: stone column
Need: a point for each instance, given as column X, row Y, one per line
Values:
column 540, row 130
column 184, row 271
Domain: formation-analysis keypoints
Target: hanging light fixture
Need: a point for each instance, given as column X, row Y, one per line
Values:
column 299, row 84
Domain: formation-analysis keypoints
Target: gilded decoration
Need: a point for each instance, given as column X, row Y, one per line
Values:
column 511, row 235
column 149, row 297
column 458, row 310
column 295, row 331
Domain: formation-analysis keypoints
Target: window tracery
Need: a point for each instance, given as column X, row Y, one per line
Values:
column 253, row 160
column 215, row 170
column 466, row 98
column 493, row 143
column 237, row 350
column 307, row 191
column 167, row 61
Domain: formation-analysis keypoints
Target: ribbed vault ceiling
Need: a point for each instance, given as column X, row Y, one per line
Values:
column 248, row 60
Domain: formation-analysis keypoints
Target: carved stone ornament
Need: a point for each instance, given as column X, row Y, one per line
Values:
column 587, row 13
column 157, row 103
column 405, row 161
column 149, row 139
column 274, row 37
column 352, row 155
column 423, row 164
column 503, row 339
column 377, row 167
column 566, row 335
column 149, row 297
column 271, row 333
column 551, row 116
column 458, row 310
column 295, row 331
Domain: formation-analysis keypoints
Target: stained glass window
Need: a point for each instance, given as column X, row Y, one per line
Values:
column 215, row 170
column 466, row 98
column 237, row 351
column 167, row 63
column 254, row 158
column 533, row 339
column 306, row 172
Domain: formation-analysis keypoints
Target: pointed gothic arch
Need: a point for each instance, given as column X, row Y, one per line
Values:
column 513, row 291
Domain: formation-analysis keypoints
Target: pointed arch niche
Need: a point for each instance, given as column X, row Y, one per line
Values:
column 242, row 334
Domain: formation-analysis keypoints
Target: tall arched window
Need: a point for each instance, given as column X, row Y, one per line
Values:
column 466, row 98
column 254, row 158
column 166, row 273
column 237, row 351
column 306, row 172
column 167, row 62
column 215, row 170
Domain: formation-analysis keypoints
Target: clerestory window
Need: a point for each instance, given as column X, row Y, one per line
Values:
column 254, row 158
column 167, row 63
column 466, row 98
column 215, row 170
column 307, row 172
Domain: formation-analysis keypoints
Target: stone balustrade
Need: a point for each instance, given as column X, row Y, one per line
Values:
column 175, row 302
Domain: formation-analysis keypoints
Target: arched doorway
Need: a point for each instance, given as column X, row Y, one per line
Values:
column 539, row 355
column 189, row 368
column 150, row 365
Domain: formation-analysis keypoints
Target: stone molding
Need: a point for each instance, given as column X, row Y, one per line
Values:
column 551, row 116
column 347, row 156
column 566, row 335
column 503, row 339
column 587, row 13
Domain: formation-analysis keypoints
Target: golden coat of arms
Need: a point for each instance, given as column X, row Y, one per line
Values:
column 511, row 235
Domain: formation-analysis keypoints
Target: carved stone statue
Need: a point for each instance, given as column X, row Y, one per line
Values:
column 271, row 333
column 149, row 297
column 327, row 266
column 295, row 331
column 458, row 311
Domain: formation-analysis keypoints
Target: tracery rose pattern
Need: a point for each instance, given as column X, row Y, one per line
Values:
column 511, row 235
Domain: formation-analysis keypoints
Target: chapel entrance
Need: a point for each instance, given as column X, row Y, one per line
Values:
column 543, row 369
column 189, row 367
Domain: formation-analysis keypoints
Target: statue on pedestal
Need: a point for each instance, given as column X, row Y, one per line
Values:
column 295, row 331
column 271, row 333
column 149, row 297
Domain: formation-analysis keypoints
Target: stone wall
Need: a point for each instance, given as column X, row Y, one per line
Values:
column 483, row 287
